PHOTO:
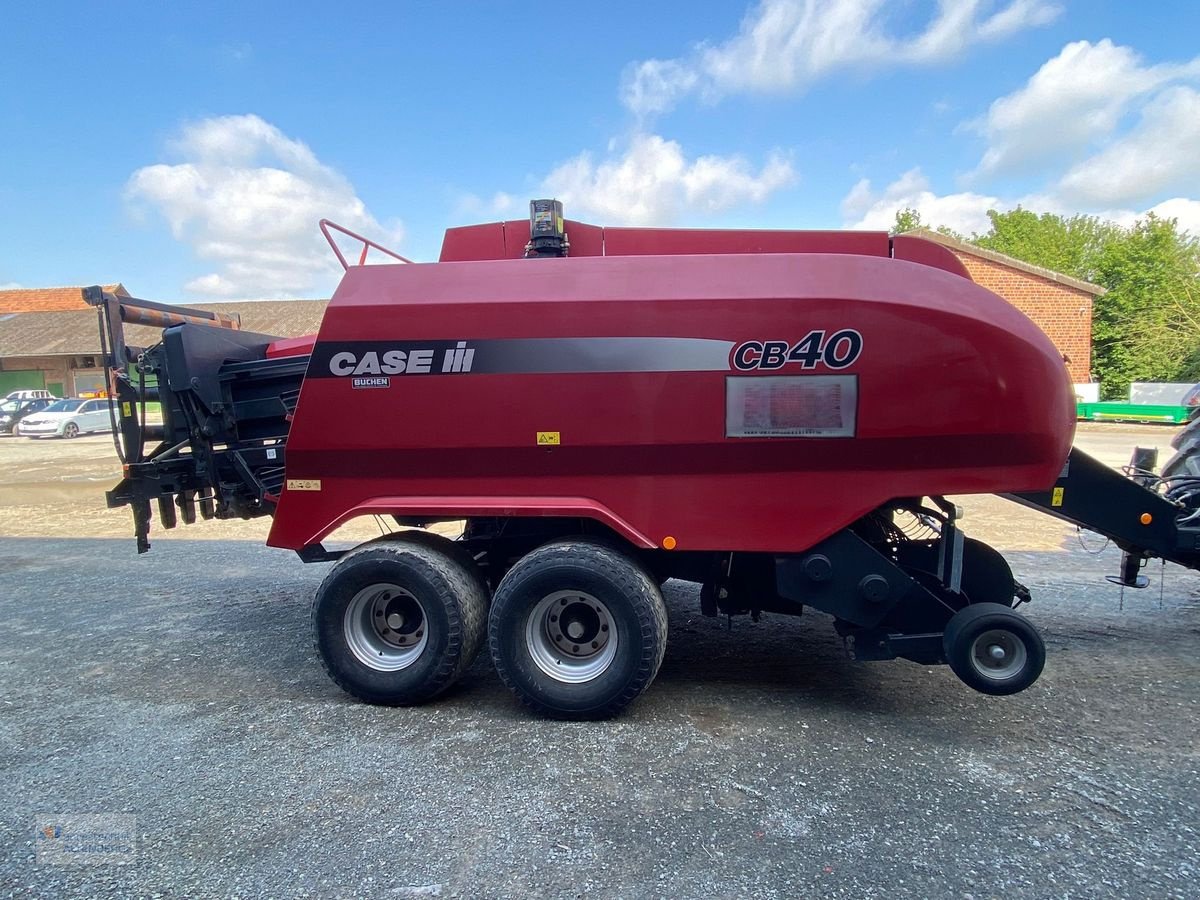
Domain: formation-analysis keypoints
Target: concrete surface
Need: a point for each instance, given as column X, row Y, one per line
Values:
column 180, row 687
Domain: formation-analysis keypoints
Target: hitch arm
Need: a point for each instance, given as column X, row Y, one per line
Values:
column 1136, row 518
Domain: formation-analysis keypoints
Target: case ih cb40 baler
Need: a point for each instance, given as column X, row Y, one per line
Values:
column 775, row 415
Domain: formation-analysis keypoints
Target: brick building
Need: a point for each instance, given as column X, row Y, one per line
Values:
column 1059, row 305
column 49, row 337
column 36, row 352
column 56, row 299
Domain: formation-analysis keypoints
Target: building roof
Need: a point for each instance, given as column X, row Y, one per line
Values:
column 1012, row 262
column 77, row 332
column 282, row 318
column 49, row 299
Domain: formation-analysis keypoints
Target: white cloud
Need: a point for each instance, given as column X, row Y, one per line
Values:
column 247, row 198
column 1053, row 203
column 964, row 212
column 655, row 85
column 1068, row 132
column 652, row 182
column 1186, row 211
column 1073, row 100
column 500, row 205
column 784, row 45
column 1160, row 154
column 9, row 286
column 1018, row 16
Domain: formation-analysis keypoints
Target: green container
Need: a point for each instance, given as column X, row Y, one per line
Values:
column 1131, row 412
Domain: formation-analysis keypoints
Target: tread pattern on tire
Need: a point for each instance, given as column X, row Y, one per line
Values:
column 440, row 544
column 631, row 576
column 467, row 618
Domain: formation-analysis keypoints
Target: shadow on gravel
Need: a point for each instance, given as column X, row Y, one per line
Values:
column 217, row 622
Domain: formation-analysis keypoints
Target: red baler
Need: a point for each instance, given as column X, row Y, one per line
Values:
column 773, row 415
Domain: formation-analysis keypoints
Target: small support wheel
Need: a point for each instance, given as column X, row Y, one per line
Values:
column 397, row 622
column 993, row 649
column 577, row 630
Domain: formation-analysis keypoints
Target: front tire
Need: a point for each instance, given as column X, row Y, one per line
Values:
column 70, row 430
column 577, row 630
column 993, row 649
column 396, row 623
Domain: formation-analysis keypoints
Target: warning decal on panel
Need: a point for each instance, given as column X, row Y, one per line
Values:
column 791, row 406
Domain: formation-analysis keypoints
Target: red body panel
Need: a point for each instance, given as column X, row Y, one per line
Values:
column 507, row 240
column 291, row 346
column 927, row 253
column 957, row 392
column 657, row 241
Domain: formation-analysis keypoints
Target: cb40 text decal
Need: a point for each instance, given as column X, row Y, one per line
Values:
column 837, row 351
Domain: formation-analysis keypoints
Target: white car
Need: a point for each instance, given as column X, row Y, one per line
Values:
column 31, row 395
column 68, row 418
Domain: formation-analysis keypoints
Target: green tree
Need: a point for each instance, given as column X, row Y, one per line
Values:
column 907, row 219
column 1069, row 245
column 1145, row 327
column 1184, row 326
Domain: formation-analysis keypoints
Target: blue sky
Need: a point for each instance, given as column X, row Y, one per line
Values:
column 189, row 151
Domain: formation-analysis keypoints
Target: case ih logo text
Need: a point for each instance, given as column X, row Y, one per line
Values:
column 840, row 350
column 401, row 362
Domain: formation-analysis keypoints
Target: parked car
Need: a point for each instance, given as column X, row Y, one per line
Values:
column 13, row 411
column 38, row 394
column 68, row 418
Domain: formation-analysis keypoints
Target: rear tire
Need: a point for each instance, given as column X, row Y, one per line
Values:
column 577, row 630
column 438, row 543
column 397, row 622
column 993, row 649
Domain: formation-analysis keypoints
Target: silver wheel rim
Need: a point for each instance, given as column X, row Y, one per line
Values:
column 998, row 654
column 386, row 627
column 571, row 636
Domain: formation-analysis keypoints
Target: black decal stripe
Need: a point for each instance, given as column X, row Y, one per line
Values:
column 547, row 355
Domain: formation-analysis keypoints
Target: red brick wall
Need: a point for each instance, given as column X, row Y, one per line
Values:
column 48, row 299
column 1063, row 312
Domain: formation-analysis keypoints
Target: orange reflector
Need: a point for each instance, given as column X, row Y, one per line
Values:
column 1146, row 518
column 669, row 543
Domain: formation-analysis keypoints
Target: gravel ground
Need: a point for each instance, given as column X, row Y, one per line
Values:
column 181, row 688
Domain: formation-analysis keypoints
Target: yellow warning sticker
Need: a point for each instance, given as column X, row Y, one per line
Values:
column 1056, row 497
column 303, row 484
column 548, row 438
column 126, row 409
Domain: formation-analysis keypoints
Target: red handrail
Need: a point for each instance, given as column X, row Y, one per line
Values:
column 366, row 242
